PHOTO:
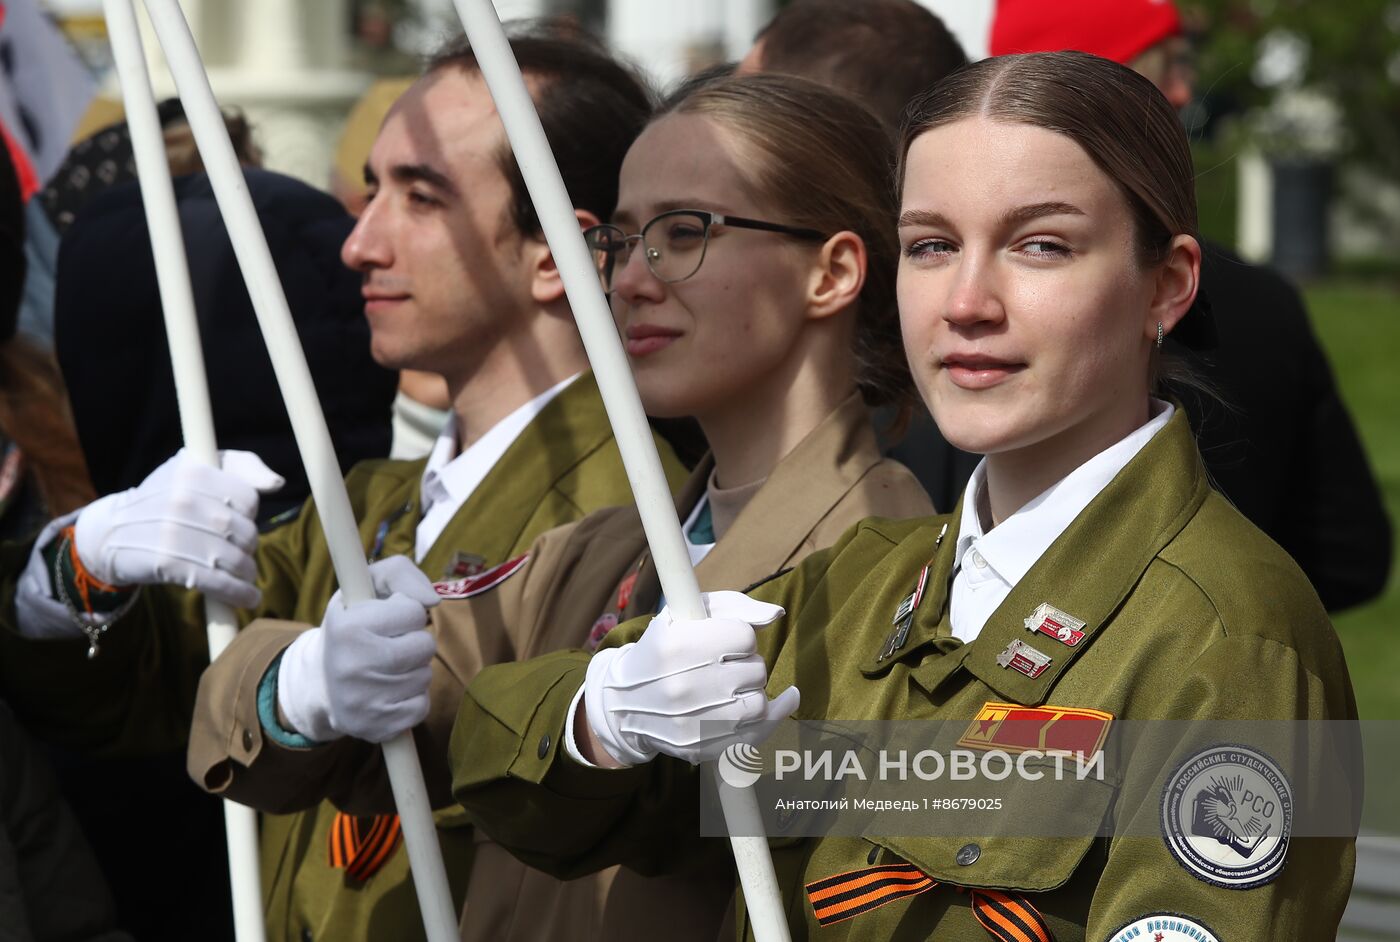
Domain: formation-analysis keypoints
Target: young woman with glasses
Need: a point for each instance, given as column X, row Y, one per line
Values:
column 750, row 266
column 1089, row 578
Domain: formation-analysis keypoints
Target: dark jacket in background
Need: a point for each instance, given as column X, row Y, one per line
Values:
column 1283, row 448
column 112, row 347
column 50, row 887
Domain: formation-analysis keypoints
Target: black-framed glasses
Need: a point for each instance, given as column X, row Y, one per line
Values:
column 673, row 243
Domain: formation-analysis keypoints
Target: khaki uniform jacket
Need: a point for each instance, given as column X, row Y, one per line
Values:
column 139, row 694
column 573, row 580
column 1191, row 613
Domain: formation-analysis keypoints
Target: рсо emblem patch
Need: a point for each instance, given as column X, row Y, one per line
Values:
column 1227, row 813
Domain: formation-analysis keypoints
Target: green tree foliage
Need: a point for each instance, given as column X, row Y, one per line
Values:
column 1353, row 56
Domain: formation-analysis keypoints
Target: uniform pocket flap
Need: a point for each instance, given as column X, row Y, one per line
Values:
column 1033, row 843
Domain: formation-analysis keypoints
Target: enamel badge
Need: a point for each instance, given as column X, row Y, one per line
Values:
column 904, row 616
column 1049, row 620
column 482, row 582
column 463, row 565
column 606, row 622
column 1024, row 658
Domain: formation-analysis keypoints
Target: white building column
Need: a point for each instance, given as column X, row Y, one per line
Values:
column 672, row 39
column 1254, row 206
column 283, row 62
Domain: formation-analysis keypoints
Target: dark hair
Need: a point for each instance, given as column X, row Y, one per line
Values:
column 884, row 52
column 591, row 106
column 821, row 162
column 104, row 160
column 1118, row 117
column 183, row 153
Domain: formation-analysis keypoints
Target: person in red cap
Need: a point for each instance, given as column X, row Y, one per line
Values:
column 1283, row 447
column 1144, row 35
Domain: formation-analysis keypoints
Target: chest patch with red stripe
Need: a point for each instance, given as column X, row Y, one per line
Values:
column 481, row 582
column 1014, row 728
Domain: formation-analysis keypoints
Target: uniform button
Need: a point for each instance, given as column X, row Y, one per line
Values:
column 543, row 750
column 306, row 935
column 968, row 854
column 248, row 740
column 874, row 852
column 978, row 561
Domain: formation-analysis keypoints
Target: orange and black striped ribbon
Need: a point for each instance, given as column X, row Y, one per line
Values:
column 85, row 583
column 360, row 846
column 848, row 895
column 1007, row 917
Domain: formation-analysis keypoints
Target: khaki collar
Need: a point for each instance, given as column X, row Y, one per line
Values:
column 569, row 429
column 772, row 530
column 1087, row 572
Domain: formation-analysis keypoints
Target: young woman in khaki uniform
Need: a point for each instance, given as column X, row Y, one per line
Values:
column 1047, row 234
column 751, row 268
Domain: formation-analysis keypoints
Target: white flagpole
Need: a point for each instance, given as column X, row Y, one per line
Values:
column 309, row 427
column 191, row 391
column 624, row 408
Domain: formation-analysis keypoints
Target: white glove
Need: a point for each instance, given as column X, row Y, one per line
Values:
column 187, row 524
column 365, row 671
column 652, row 696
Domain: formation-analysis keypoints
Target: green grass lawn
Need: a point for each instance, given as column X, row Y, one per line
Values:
column 1358, row 322
column 1359, row 325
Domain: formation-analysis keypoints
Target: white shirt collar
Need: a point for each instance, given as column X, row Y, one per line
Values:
column 1012, row 547
column 451, row 480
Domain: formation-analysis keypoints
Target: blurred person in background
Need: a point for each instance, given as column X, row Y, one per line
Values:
column 422, row 406
column 51, row 889
column 884, row 53
column 99, row 160
column 41, row 466
column 880, row 52
column 1282, row 447
column 111, row 342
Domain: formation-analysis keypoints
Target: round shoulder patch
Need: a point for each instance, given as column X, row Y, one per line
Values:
column 1163, row 927
column 1227, row 813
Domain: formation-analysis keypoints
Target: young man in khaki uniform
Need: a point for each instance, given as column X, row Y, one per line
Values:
column 458, row 281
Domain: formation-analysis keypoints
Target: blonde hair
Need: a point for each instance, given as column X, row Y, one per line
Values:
column 823, row 163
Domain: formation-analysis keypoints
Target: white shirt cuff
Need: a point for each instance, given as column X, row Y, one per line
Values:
column 570, row 746
column 37, row 613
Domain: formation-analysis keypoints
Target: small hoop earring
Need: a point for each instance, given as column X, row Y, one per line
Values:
column 1160, row 335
